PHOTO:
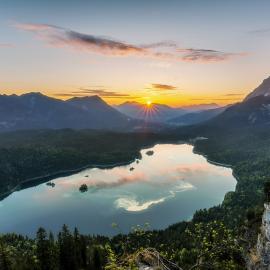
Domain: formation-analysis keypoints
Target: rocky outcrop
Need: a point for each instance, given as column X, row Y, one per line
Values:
column 259, row 259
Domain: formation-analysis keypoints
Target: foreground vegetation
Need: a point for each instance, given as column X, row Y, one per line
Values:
column 217, row 238
column 213, row 246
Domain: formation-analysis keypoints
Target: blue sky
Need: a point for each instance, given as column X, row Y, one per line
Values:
column 220, row 49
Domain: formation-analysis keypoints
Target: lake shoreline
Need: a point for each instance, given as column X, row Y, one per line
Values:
column 34, row 181
column 61, row 173
column 45, row 178
column 172, row 149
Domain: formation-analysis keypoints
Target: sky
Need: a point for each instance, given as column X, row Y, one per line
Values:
column 176, row 52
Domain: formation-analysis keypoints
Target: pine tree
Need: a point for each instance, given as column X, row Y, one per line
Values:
column 77, row 248
column 43, row 250
column 67, row 258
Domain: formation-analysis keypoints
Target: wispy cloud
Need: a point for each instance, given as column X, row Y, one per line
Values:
column 162, row 87
column 102, row 92
column 161, row 44
column 234, row 94
column 61, row 37
column 204, row 55
column 82, row 92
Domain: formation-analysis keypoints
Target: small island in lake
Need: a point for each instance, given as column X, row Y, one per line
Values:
column 150, row 153
column 131, row 169
column 83, row 188
column 51, row 184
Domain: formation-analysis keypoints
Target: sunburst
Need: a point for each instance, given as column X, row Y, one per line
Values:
column 149, row 111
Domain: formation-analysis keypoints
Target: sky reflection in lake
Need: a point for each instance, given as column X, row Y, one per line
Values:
column 163, row 188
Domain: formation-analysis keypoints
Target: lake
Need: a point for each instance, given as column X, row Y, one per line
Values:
column 166, row 186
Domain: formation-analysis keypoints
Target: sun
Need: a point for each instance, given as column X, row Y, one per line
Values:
column 148, row 103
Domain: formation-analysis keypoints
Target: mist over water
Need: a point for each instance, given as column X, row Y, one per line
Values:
column 161, row 189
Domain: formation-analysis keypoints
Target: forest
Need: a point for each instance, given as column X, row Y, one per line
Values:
column 216, row 238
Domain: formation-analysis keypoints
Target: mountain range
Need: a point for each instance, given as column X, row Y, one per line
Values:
column 197, row 116
column 160, row 112
column 154, row 113
column 37, row 111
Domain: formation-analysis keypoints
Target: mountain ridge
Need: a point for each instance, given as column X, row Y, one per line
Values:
column 35, row 110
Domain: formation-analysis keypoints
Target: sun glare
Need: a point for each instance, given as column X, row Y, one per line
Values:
column 149, row 103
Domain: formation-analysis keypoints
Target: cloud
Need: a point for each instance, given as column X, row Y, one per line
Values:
column 233, row 94
column 107, row 182
column 82, row 92
column 61, row 37
column 101, row 92
column 162, row 87
column 168, row 44
column 132, row 204
column 35, row 27
column 204, row 55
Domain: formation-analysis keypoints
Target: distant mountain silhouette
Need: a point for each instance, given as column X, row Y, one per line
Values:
column 200, row 107
column 154, row 113
column 197, row 117
column 35, row 111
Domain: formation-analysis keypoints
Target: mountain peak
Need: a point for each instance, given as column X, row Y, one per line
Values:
column 94, row 98
column 33, row 94
column 262, row 90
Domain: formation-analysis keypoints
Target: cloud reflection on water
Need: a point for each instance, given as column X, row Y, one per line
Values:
column 134, row 205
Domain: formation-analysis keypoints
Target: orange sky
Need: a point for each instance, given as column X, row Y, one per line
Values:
column 178, row 54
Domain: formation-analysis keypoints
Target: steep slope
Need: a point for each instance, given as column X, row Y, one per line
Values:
column 249, row 113
column 262, row 90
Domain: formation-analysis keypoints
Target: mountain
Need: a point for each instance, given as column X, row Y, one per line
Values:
column 154, row 113
column 99, row 111
column 196, row 117
column 252, row 112
column 35, row 111
column 160, row 112
column 262, row 89
column 200, row 107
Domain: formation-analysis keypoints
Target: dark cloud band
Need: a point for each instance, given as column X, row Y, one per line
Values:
column 62, row 37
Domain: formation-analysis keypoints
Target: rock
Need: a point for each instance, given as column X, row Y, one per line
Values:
column 259, row 259
column 150, row 153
